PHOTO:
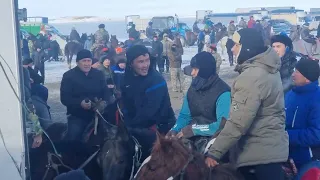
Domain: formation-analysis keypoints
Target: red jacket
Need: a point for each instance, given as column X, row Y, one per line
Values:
column 251, row 23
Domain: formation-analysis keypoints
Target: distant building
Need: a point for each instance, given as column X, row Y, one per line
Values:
column 247, row 10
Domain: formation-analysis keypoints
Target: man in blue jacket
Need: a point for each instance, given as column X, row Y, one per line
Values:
column 206, row 105
column 303, row 113
column 145, row 98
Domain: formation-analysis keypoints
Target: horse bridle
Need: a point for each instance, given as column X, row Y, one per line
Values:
column 54, row 166
column 183, row 170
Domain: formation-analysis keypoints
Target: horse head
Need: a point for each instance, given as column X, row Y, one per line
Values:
column 116, row 155
column 168, row 158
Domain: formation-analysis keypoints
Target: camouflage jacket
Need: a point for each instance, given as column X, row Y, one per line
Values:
column 101, row 36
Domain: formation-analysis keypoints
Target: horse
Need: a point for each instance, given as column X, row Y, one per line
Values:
column 72, row 48
column 191, row 38
column 56, row 156
column 114, row 43
column 171, row 159
column 301, row 46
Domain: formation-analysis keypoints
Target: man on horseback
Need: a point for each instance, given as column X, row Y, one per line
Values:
column 79, row 88
column 145, row 98
column 206, row 106
column 101, row 38
column 74, row 36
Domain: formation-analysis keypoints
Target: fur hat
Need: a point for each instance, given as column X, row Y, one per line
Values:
column 84, row 53
column 282, row 38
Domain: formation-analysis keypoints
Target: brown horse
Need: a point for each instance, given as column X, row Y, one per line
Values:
column 171, row 159
column 191, row 38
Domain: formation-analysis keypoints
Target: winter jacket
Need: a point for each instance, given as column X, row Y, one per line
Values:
column 157, row 48
column 146, row 100
column 229, row 45
column 302, row 122
column 38, row 58
column 243, row 24
column 194, row 114
column 175, row 58
column 255, row 132
column 101, row 36
column 259, row 28
column 37, row 79
column 288, row 63
column 251, row 23
column 201, row 36
column 166, row 44
column 118, row 75
column 76, row 87
column 294, row 34
column 42, row 111
column 149, row 32
column 231, row 29
column 133, row 33
column 74, row 36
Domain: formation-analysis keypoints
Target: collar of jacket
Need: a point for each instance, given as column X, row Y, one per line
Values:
column 313, row 86
column 77, row 69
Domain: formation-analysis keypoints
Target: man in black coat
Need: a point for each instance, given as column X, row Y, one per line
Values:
column 157, row 49
column 79, row 88
column 146, row 99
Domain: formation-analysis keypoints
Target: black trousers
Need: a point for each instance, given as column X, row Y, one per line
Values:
column 272, row 171
column 200, row 47
column 230, row 54
column 164, row 62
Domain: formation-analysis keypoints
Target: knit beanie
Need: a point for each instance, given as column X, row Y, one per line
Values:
column 136, row 51
column 282, row 38
column 309, row 69
column 84, row 53
column 27, row 61
column 251, row 41
column 206, row 64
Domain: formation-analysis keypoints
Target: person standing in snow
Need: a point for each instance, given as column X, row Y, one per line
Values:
column 149, row 31
column 242, row 24
column 251, row 22
column 157, row 48
column 217, row 57
column 231, row 28
column 88, row 44
column 175, row 58
column 229, row 46
column 167, row 43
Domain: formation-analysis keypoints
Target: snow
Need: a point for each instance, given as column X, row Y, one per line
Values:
column 55, row 70
column 80, row 19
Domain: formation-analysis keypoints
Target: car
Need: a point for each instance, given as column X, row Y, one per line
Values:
column 280, row 25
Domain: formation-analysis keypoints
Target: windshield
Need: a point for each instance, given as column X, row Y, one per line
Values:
column 160, row 23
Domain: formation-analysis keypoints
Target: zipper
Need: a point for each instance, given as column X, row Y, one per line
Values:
column 294, row 116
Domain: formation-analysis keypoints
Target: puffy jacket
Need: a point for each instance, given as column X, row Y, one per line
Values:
column 255, row 133
column 288, row 62
column 302, row 121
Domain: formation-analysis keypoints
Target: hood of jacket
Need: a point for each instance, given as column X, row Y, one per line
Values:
column 268, row 60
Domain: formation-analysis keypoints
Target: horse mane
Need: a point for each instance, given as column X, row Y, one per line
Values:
column 168, row 158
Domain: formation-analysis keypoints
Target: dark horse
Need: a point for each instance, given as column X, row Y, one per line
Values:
column 171, row 159
column 72, row 48
column 46, row 164
column 110, row 154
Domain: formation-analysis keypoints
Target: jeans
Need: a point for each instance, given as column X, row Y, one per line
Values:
column 76, row 127
column 272, row 171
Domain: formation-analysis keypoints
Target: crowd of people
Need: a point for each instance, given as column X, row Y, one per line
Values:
column 266, row 118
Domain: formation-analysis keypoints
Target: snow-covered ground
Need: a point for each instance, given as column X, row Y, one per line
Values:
column 55, row 70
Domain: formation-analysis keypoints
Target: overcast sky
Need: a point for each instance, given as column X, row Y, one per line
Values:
column 120, row 8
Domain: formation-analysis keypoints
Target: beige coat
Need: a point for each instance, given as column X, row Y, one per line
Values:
column 255, row 133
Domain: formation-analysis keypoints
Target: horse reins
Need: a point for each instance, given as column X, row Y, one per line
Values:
column 53, row 165
column 183, row 170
